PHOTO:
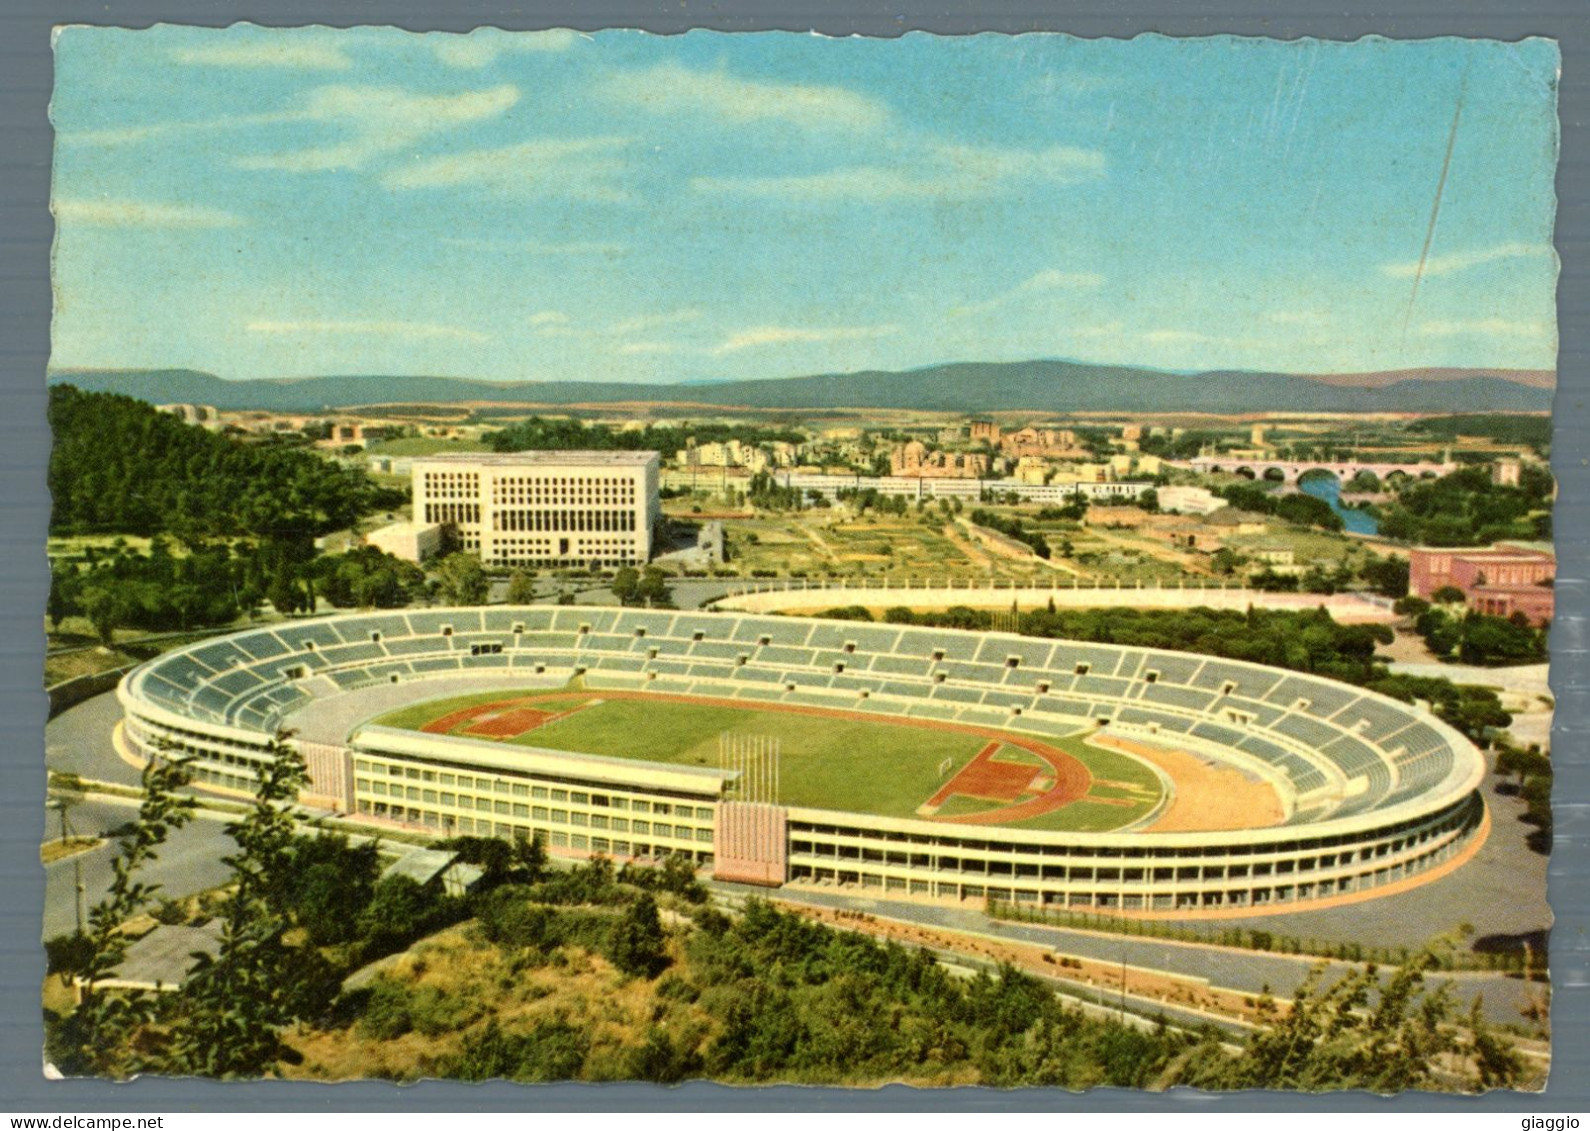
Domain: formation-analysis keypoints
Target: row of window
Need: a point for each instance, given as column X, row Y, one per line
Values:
column 457, row 513
column 510, row 788
column 578, row 842
column 451, row 484
column 578, row 521
column 1108, row 874
column 1124, row 901
column 526, row 491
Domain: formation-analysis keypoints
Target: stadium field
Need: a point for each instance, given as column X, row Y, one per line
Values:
column 828, row 759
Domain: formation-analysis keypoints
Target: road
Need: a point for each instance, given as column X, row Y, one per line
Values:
column 189, row 861
column 1248, row 971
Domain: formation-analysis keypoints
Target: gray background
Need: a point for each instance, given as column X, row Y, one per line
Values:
column 25, row 231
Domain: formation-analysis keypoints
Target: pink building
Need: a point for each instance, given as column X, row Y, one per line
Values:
column 1500, row 580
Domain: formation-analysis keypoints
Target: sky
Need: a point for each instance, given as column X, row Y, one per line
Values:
column 626, row 207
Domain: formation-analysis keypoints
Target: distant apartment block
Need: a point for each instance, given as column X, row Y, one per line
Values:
column 1500, row 580
column 1052, row 442
column 913, row 458
column 544, row 508
column 982, row 430
column 201, row 415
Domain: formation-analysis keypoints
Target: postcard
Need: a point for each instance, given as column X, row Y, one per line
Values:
column 762, row 558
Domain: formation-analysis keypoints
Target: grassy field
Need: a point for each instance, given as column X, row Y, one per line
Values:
column 857, row 765
column 425, row 446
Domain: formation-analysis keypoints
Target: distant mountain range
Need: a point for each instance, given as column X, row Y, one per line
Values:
column 968, row 387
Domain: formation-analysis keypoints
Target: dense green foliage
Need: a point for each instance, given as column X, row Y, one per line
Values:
column 365, row 578
column 1511, row 429
column 1478, row 638
column 120, row 465
column 1467, row 509
column 562, row 434
column 771, row 996
column 1012, row 528
column 158, row 591
column 1298, row 508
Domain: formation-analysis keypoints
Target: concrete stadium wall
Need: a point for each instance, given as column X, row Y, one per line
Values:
column 1349, row 608
column 1249, row 870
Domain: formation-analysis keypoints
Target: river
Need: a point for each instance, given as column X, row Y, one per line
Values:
column 1329, row 488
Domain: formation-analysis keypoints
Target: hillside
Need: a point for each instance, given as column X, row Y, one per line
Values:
column 1042, row 386
column 118, row 465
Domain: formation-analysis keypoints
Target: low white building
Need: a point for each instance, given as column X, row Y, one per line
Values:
column 1189, row 500
column 411, row 541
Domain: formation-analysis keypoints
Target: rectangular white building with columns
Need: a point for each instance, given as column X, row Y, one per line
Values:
column 544, row 508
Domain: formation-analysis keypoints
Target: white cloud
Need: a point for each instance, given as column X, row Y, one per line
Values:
column 483, row 46
column 549, row 318
column 1463, row 260
column 645, row 322
column 380, row 121
column 1486, row 328
column 141, row 214
column 654, row 349
column 1176, row 337
column 579, row 167
column 672, row 89
column 376, row 329
column 277, row 49
column 1304, row 318
column 1044, row 282
column 792, row 335
column 932, row 172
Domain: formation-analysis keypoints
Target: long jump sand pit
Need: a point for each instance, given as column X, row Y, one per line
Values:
column 1209, row 797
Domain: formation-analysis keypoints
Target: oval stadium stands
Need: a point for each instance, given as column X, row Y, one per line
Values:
column 1374, row 792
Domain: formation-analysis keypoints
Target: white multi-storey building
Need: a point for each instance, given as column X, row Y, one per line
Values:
column 544, row 508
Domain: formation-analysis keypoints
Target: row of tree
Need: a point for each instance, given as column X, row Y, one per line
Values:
column 215, row 583
column 566, row 434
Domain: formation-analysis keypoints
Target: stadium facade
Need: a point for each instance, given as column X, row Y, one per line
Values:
column 1374, row 792
column 544, row 508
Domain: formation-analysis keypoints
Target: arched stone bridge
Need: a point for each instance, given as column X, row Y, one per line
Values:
column 1292, row 470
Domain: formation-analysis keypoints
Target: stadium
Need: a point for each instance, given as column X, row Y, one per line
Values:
column 902, row 761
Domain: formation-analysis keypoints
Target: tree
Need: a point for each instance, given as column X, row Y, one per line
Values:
column 653, row 589
column 105, row 611
column 235, row 1002
column 96, row 1039
column 1448, row 595
column 626, row 582
column 398, row 912
column 462, row 580
column 284, row 594
column 1496, row 640
column 636, row 943
column 521, row 587
column 1386, row 576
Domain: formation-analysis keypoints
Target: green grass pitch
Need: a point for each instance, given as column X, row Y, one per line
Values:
column 855, row 765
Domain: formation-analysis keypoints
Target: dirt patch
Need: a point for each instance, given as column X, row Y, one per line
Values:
column 508, row 724
column 1208, row 797
column 987, row 779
